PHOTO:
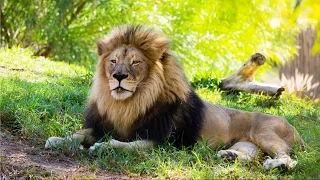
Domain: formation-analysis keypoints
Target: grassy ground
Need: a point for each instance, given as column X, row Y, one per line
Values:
column 41, row 98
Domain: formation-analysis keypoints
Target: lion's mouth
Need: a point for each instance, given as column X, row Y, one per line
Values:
column 120, row 93
column 120, row 89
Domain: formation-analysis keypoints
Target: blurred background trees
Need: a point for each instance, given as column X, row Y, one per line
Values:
column 209, row 36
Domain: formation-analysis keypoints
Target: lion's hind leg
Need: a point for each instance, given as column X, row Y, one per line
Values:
column 243, row 151
column 278, row 149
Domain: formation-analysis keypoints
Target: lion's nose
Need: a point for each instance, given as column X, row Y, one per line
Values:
column 120, row 77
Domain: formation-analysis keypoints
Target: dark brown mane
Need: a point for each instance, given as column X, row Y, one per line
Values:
column 149, row 42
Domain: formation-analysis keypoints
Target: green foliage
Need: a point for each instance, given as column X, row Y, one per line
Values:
column 42, row 98
column 49, row 28
column 206, row 82
column 207, row 35
column 310, row 10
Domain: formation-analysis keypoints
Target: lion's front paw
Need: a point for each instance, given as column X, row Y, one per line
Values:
column 227, row 154
column 54, row 142
column 98, row 146
column 116, row 144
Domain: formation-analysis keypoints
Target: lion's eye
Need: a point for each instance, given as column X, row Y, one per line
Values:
column 113, row 61
column 135, row 62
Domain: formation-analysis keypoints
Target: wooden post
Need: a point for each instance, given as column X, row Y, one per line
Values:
column 243, row 79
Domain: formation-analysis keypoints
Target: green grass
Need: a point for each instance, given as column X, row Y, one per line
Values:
column 42, row 98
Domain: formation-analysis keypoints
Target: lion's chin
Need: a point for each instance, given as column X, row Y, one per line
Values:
column 121, row 95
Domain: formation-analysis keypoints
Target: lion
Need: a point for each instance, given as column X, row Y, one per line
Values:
column 140, row 95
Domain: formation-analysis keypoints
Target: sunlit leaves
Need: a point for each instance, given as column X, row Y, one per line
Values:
column 308, row 12
column 206, row 34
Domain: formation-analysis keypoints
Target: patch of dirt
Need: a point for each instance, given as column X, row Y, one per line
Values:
column 20, row 160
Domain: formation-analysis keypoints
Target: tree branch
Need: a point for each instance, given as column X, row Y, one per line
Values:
column 4, row 27
column 243, row 79
column 74, row 14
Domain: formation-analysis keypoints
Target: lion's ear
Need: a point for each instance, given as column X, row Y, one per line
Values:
column 162, row 53
column 158, row 47
column 100, row 46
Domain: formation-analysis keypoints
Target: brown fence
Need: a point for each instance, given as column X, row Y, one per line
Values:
column 302, row 75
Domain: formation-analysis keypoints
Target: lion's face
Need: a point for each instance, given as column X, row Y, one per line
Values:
column 125, row 67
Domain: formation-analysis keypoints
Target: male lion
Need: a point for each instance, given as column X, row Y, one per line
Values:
column 141, row 94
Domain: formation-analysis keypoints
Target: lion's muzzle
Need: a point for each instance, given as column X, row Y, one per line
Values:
column 121, row 87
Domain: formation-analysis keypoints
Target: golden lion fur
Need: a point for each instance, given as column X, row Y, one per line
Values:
column 167, row 86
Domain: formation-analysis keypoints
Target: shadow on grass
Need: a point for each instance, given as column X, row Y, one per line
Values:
column 31, row 107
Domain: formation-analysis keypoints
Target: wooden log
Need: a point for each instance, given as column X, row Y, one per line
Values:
column 243, row 79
